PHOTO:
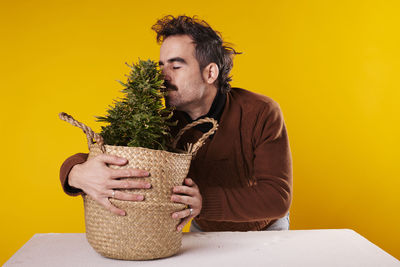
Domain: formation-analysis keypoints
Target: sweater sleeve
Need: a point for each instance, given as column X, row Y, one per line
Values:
column 269, row 197
column 65, row 169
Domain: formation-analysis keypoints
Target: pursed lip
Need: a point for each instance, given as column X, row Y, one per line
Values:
column 167, row 89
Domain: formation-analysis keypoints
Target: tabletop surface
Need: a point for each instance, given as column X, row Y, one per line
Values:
column 336, row 247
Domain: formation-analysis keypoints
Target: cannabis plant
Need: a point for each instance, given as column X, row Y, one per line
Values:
column 139, row 119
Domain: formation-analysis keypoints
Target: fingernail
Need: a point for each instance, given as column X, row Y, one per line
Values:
column 140, row 197
column 146, row 173
column 174, row 216
column 148, row 185
column 122, row 213
column 122, row 160
column 179, row 228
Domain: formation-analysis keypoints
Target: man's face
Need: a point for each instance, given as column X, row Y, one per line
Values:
column 183, row 79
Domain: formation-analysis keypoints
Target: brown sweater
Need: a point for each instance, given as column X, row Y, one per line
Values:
column 244, row 171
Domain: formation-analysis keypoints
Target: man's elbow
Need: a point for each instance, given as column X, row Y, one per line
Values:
column 282, row 206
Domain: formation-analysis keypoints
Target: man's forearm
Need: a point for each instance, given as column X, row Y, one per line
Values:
column 269, row 199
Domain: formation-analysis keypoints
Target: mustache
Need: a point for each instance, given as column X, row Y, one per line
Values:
column 170, row 86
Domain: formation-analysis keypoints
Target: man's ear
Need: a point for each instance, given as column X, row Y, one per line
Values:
column 210, row 73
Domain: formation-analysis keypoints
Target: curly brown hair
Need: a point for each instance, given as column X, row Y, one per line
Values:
column 209, row 44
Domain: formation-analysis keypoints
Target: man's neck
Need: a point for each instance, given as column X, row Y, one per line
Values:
column 203, row 107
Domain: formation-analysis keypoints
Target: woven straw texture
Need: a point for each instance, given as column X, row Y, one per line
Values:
column 148, row 230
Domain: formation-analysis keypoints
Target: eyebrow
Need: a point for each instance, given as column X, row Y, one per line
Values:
column 174, row 59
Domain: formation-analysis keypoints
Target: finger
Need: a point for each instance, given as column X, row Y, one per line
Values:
column 181, row 214
column 183, row 223
column 126, row 196
column 127, row 184
column 187, row 200
column 189, row 182
column 107, row 204
column 111, row 159
column 128, row 173
column 181, row 189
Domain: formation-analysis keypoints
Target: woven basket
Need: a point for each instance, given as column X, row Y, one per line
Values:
column 147, row 231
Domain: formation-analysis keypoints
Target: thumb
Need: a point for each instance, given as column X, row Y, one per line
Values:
column 111, row 159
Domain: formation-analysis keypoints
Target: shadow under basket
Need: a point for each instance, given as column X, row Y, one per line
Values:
column 147, row 231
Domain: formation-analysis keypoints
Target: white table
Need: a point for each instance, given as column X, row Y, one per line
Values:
column 270, row 248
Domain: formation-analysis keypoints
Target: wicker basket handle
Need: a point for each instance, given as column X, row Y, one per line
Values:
column 193, row 148
column 90, row 135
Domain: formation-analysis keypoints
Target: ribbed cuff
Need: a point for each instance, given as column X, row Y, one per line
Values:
column 65, row 169
column 214, row 203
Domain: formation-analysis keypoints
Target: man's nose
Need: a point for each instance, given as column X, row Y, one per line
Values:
column 167, row 77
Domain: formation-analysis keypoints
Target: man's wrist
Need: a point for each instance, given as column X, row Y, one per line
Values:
column 70, row 178
column 68, row 183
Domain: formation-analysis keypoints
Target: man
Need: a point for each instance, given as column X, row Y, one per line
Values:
column 241, row 179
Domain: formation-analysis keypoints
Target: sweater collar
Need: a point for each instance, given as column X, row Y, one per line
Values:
column 216, row 109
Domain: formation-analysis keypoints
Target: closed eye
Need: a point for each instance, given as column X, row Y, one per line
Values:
column 175, row 68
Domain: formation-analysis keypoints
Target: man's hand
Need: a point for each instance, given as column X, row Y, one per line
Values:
column 97, row 180
column 187, row 194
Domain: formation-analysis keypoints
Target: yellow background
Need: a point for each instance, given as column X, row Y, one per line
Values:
column 332, row 65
